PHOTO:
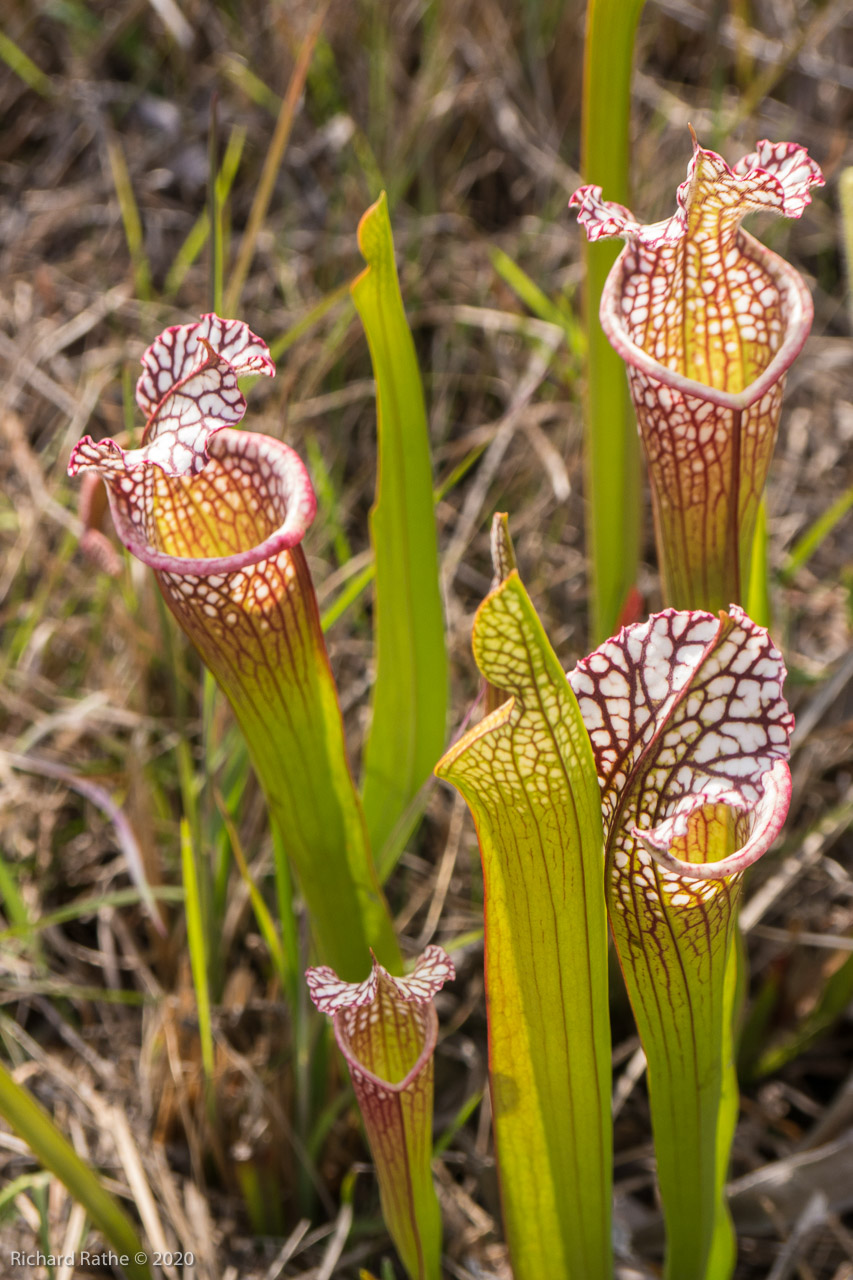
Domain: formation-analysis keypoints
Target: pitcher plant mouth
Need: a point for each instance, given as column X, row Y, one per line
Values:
column 696, row 292
column 795, row 300
column 357, row 1008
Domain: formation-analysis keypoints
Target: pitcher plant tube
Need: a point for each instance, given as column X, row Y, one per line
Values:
column 708, row 321
column 219, row 515
column 386, row 1029
column 690, row 733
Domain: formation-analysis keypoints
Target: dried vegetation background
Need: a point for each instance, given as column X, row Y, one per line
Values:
column 469, row 114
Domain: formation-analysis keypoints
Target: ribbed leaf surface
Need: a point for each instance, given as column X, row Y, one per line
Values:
column 407, row 732
column 527, row 774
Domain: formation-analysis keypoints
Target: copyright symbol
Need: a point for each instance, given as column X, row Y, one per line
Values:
column 141, row 1258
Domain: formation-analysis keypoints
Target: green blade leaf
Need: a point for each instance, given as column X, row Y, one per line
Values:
column 196, row 944
column 407, row 731
column 612, row 453
column 52, row 1150
column 527, row 774
column 690, row 733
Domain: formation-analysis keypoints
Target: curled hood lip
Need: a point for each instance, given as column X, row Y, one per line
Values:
column 753, row 778
column 769, row 815
column 798, row 310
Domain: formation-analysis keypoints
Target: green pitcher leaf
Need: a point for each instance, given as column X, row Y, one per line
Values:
column 708, row 322
column 407, row 731
column 528, row 776
column 690, row 733
column 219, row 515
column 386, row 1028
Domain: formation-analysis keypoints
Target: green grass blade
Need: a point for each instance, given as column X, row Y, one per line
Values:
column 244, row 79
column 32, row 1124
column 831, row 1004
column 272, row 163
column 214, row 205
column 805, row 547
column 312, row 317
column 12, row 900
column 534, row 298
column 463, row 1115
column 26, row 1182
column 348, row 596
column 612, row 449
column 758, row 586
column 90, row 907
column 197, row 947
column 263, row 915
column 845, row 195
column 410, row 694
column 23, row 66
column 198, row 236
column 130, row 218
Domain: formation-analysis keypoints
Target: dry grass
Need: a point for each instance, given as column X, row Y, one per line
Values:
column 468, row 113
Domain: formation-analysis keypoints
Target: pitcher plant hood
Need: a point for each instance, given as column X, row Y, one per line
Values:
column 174, row 500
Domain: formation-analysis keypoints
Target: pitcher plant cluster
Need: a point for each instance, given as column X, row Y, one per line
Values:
column 622, row 800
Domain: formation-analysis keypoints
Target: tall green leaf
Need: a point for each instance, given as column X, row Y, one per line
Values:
column 612, row 450
column 410, row 694
column 528, row 776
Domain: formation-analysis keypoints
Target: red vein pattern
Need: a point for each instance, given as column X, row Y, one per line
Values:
column 188, row 391
column 708, row 321
column 684, row 712
column 432, row 969
column 184, row 347
column 219, row 514
column 386, row 1028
